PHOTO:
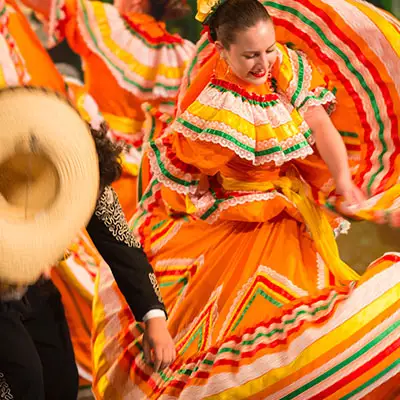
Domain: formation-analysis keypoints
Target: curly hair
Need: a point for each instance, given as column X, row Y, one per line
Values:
column 109, row 156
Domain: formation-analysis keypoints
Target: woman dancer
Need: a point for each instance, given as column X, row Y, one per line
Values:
column 260, row 304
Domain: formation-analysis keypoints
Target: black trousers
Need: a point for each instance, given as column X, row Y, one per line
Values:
column 36, row 356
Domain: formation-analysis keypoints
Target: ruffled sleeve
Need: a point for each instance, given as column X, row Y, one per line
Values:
column 179, row 161
column 254, row 127
column 301, row 82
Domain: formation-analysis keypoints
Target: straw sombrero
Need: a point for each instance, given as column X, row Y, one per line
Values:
column 49, row 180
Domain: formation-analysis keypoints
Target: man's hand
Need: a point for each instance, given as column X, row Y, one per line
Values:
column 158, row 346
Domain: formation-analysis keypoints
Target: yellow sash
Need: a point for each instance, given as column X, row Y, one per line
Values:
column 314, row 217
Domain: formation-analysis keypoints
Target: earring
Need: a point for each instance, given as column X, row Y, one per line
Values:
column 270, row 82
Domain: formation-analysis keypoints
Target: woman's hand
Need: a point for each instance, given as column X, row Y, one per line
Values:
column 158, row 346
column 333, row 151
column 352, row 194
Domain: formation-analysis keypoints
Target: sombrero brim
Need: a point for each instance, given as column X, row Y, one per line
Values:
column 28, row 247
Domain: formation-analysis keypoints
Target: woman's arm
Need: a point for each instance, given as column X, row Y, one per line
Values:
column 329, row 142
column 333, row 151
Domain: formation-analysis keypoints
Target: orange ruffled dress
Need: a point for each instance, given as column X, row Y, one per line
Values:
column 260, row 305
column 127, row 59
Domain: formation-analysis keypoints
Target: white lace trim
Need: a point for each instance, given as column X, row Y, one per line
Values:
column 278, row 157
column 342, row 228
column 305, row 89
column 328, row 100
column 254, row 114
column 205, row 202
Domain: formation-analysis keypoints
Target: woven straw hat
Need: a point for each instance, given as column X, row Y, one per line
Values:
column 49, row 181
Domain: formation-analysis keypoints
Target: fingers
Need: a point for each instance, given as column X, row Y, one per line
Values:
column 158, row 345
column 358, row 195
column 354, row 196
column 169, row 356
column 158, row 357
column 162, row 355
column 349, row 201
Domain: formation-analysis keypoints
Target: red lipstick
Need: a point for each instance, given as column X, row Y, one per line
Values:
column 259, row 74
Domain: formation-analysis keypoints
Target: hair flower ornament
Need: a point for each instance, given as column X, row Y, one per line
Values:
column 206, row 9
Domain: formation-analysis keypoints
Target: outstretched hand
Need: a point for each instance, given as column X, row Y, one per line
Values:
column 158, row 346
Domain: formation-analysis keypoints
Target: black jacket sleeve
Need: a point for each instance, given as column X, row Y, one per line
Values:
column 132, row 271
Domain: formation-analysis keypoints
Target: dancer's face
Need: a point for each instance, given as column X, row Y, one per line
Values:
column 253, row 53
